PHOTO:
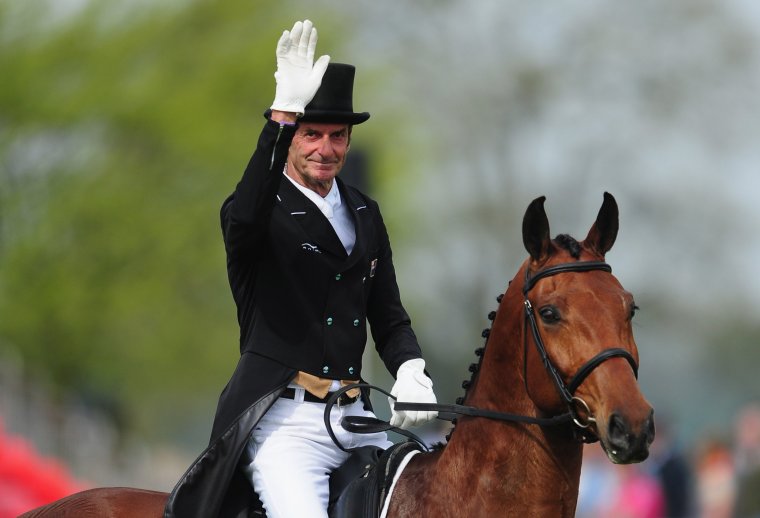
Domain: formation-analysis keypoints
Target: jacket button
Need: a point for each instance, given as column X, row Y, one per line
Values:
column 350, row 370
column 356, row 323
column 329, row 321
column 338, row 277
column 325, row 369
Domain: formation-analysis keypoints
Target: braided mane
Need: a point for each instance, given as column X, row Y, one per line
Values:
column 564, row 241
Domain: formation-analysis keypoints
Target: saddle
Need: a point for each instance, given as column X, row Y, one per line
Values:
column 365, row 494
column 358, row 488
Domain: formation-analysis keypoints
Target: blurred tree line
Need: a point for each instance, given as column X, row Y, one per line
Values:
column 122, row 129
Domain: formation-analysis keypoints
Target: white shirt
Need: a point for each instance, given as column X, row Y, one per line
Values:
column 334, row 210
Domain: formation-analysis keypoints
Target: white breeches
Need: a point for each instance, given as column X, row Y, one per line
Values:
column 290, row 455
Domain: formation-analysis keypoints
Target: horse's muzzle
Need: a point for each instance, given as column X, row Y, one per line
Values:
column 625, row 443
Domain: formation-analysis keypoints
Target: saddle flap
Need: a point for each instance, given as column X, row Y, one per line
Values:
column 365, row 491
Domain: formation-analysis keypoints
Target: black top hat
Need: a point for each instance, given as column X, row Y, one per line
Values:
column 333, row 101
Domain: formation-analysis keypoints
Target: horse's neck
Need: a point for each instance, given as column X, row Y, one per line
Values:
column 493, row 468
column 516, row 467
column 525, row 463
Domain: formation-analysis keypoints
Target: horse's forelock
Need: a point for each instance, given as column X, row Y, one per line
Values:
column 570, row 244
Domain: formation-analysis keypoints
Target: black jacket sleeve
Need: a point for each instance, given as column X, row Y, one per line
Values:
column 245, row 214
column 390, row 324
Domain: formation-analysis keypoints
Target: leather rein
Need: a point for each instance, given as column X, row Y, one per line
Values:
column 566, row 391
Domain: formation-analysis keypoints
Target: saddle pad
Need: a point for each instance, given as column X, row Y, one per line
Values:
column 396, row 476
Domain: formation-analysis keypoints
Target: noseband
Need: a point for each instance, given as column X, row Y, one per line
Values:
column 567, row 392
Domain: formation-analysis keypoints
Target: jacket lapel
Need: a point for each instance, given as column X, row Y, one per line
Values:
column 362, row 220
column 316, row 226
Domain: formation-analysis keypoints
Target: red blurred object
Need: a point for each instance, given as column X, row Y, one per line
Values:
column 28, row 480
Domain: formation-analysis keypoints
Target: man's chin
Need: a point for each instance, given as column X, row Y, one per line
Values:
column 324, row 175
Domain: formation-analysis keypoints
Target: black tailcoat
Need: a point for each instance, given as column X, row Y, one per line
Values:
column 302, row 305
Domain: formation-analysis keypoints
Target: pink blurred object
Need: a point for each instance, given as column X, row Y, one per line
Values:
column 28, row 480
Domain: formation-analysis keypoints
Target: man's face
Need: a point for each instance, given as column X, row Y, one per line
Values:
column 317, row 154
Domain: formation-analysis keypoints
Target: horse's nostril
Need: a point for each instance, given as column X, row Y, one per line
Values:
column 627, row 444
column 618, row 433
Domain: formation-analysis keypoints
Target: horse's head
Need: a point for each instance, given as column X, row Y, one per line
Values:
column 580, row 315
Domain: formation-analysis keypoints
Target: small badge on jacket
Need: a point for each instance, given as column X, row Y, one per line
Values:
column 311, row 248
column 372, row 267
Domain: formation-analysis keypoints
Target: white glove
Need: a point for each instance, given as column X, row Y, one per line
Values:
column 298, row 77
column 412, row 386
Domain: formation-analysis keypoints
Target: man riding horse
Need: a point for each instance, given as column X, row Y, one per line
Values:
column 309, row 264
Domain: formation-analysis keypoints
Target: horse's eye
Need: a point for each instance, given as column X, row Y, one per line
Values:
column 549, row 314
column 634, row 308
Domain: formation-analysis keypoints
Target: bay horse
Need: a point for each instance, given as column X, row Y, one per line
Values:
column 559, row 369
column 560, row 357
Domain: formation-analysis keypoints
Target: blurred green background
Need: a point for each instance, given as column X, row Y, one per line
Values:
column 123, row 126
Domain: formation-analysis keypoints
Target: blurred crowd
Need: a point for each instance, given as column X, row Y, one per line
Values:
column 719, row 477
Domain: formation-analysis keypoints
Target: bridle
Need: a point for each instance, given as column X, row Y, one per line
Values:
column 566, row 391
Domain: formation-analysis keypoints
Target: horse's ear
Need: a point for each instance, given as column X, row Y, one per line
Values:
column 603, row 232
column 535, row 230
